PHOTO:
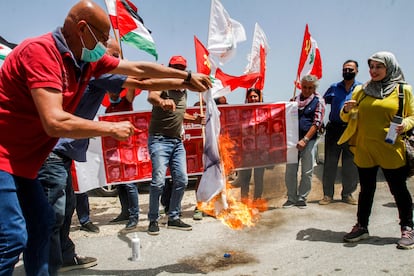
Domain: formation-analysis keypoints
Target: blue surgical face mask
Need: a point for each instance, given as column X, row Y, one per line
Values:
column 96, row 53
column 118, row 100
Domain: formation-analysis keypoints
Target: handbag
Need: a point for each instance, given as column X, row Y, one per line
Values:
column 408, row 137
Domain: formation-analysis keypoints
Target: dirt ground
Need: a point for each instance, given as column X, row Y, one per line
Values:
column 103, row 209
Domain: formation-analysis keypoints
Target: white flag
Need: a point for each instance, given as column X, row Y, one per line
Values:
column 213, row 180
column 259, row 39
column 224, row 33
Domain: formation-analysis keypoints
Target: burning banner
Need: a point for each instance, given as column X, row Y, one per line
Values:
column 213, row 179
column 262, row 134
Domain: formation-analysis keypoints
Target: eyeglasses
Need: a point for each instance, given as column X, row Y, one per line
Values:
column 347, row 70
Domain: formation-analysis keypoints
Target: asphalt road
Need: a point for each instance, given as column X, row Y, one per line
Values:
column 283, row 242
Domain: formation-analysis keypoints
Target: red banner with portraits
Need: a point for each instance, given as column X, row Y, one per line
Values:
column 258, row 132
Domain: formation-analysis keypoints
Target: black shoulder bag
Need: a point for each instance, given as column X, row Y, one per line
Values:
column 408, row 137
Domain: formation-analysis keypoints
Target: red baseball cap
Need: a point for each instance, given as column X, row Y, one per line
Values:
column 178, row 60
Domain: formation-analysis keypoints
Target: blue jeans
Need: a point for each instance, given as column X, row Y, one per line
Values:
column 306, row 157
column 128, row 196
column 167, row 152
column 55, row 177
column 82, row 208
column 245, row 175
column 26, row 222
column 349, row 174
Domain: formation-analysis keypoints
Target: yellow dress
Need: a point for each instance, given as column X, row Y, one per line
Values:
column 372, row 124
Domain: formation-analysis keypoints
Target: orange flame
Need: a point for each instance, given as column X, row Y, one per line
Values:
column 238, row 214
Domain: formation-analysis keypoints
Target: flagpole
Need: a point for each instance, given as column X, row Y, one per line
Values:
column 294, row 89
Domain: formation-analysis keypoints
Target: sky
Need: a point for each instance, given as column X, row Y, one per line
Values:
column 343, row 29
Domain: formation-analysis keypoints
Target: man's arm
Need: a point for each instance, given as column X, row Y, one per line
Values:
column 158, row 84
column 144, row 70
column 154, row 98
column 130, row 94
column 59, row 123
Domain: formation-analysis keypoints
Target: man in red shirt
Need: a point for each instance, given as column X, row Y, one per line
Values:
column 41, row 83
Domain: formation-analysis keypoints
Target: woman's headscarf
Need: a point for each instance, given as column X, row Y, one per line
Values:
column 394, row 76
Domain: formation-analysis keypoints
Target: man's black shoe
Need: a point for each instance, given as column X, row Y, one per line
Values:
column 89, row 227
column 132, row 223
column 179, row 224
column 153, row 228
column 78, row 262
column 120, row 218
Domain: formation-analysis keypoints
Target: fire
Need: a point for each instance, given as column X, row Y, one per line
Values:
column 234, row 213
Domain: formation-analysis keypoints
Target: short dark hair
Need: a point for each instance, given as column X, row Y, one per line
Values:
column 257, row 91
column 351, row 60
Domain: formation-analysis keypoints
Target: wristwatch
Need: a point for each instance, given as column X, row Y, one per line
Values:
column 306, row 139
column 188, row 78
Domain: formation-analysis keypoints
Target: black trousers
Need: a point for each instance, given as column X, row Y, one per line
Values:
column 396, row 179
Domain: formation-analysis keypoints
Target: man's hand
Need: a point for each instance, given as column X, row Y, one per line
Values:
column 301, row 145
column 122, row 130
column 200, row 119
column 167, row 104
column 200, row 82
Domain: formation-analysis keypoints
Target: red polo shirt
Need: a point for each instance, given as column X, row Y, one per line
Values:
column 41, row 62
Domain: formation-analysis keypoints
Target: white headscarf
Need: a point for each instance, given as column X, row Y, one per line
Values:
column 394, row 76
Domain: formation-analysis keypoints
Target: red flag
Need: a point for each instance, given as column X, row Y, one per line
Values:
column 245, row 81
column 202, row 59
column 310, row 58
column 106, row 103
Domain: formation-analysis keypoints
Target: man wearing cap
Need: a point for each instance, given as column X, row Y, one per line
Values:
column 167, row 150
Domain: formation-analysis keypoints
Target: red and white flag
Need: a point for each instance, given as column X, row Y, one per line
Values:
column 310, row 61
column 259, row 41
column 224, row 33
column 257, row 56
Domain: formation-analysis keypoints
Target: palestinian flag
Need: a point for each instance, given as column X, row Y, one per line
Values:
column 5, row 47
column 131, row 28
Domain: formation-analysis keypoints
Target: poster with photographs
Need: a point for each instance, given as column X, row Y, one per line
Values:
column 258, row 132
column 129, row 161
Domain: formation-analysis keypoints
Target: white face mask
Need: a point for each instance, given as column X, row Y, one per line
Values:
column 96, row 53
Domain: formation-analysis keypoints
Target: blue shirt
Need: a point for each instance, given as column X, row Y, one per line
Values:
column 75, row 149
column 336, row 95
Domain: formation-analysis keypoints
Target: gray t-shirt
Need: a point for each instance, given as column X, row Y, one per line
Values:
column 169, row 123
